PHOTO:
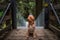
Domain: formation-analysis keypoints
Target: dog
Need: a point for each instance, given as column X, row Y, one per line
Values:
column 31, row 26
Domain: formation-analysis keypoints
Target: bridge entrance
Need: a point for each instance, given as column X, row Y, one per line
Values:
column 24, row 8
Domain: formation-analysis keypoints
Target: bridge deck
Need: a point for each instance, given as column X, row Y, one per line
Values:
column 20, row 34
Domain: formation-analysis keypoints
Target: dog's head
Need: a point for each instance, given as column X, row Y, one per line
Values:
column 31, row 18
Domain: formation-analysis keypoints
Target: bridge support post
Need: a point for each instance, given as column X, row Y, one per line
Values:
column 13, row 7
column 47, row 11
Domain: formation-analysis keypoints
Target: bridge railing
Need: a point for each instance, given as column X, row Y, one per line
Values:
column 54, row 18
column 55, row 13
column 5, row 21
column 54, row 21
column 5, row 12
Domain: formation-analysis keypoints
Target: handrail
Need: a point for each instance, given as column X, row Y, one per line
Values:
column 55, row 13
column 5, row 12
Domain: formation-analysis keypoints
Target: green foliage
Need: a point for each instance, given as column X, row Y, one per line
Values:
column 52, row 1
column 4, row 1
column 59, row 1
column 1, row 13
column 24, row 7
column 4, row 26
column 1, row 1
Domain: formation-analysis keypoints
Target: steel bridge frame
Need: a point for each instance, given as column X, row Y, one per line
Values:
column 47, row 12
column 14, row 11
